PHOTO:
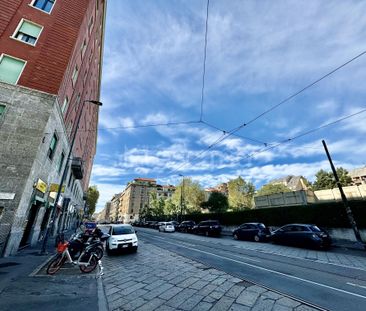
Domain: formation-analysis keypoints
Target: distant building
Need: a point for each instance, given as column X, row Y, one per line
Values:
column 165, row 191
column 358, row 176
column 222, row 188
column 114, row 214
column 294, row 183
column 135, row 197
column 104, row 214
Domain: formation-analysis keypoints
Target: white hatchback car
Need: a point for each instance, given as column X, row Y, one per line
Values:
column 166, row 227
column 122, row 237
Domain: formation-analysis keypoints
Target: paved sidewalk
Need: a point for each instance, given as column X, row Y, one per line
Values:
column 157, row 279
column 20, row 290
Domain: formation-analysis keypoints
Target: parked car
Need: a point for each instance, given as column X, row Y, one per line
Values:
column 166, row 227
column 122, row 237
column 253, row 231
column 303, row 235
column 175, row 223
column 208, row 227
column 186, row 226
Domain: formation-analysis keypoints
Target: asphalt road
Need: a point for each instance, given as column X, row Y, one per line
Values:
column 330, row 286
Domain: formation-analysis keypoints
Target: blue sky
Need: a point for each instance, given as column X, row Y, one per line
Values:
column 258, row 53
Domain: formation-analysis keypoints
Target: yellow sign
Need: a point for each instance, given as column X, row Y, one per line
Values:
column 54, row 188
column 41, row 185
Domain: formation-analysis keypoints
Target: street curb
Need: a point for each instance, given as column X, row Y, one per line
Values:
column 102, row 298
column 40, row 267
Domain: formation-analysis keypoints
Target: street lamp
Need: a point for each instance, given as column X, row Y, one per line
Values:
column 181, row 198
column 54, row 214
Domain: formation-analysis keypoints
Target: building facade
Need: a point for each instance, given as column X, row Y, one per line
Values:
column 50, row 69
column 358, row 176
column 114, row 214
column 135, row 197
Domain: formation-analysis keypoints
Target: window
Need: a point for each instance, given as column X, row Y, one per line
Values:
column 91, row 23
column 2, row 109
column 44, row 5
column 27, row 32
column 10, row 69
column 65, row 105
column 83, row 48
column 75, row 75
column 62, row 158
column 52, row 148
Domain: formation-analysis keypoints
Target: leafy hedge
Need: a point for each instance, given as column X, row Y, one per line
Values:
column 329, row 215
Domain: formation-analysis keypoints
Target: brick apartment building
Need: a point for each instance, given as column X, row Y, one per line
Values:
column 50, row 66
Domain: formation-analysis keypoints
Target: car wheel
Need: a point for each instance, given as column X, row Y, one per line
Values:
column 236, row 237
column 256, row 238
column 134, row 249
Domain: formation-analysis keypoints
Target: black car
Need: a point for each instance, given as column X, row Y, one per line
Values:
column 208, row 227
column 175, row 224
column 186, row 226
column 303, row 235
column 253, row 231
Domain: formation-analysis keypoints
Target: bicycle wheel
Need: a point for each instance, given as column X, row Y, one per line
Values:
column 91, row 266
column 55, row 264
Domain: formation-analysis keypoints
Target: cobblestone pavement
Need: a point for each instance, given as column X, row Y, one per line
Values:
column 329, row 257
column 157, row 279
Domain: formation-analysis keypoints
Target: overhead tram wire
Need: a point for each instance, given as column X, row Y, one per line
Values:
column 275, row 145
column 236, row 129
column 204, row 62
column 138, row 126
column 239, row 136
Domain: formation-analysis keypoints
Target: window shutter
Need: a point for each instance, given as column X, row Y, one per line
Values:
column 10, row 69
column 30, row 29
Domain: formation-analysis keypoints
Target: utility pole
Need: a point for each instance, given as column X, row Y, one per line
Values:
column 181, row 198
column 349, row 213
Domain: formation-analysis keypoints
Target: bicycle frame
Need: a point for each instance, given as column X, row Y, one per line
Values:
column 77, row 262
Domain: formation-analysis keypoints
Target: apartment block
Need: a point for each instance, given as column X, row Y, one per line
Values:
column 50, row 70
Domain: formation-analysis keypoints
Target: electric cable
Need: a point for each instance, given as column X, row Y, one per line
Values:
column 236, row 129
column 204, row 62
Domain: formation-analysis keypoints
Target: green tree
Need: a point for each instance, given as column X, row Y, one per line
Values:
column 272, row 189
column 241, row 194
column 92, row 198
column 217, row 202
column 156, row 207
column 171, row 208
column 193, row 196
column 326, row 180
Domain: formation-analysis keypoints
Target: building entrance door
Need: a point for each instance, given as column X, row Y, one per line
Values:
column 30, row 222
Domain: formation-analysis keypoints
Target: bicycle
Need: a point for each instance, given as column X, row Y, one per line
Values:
column 87, row 261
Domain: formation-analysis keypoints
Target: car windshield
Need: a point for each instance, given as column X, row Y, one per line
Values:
column 315, row 229
column 122, row 230
column 104, row 229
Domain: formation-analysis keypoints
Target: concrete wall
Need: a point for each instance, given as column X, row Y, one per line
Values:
column 301, row 197
column 351, row 192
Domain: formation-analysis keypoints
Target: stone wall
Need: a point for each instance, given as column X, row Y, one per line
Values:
column 26, row 129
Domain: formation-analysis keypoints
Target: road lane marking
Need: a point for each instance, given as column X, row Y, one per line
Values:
column 356, row 285
column 277, row 253
column 274, row 271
